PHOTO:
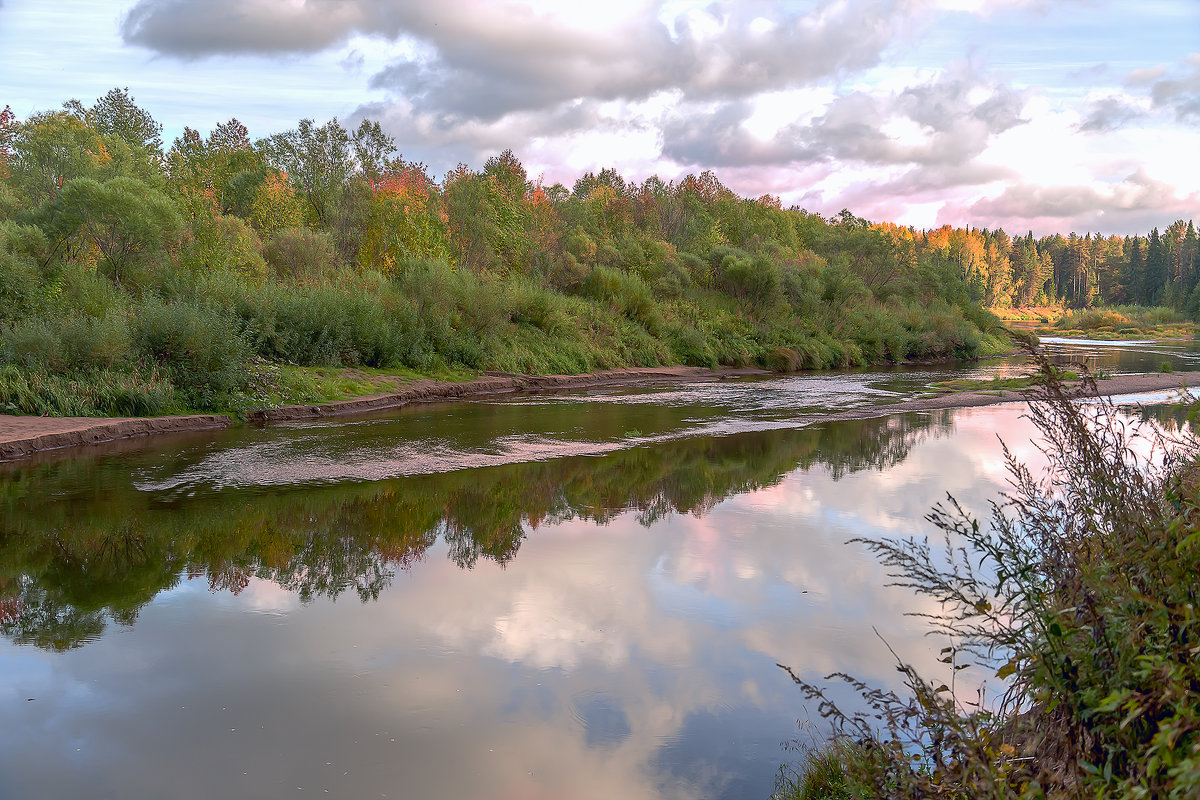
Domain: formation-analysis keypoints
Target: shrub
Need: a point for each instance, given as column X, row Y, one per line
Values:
column 783, row 359
column 197, row 347
column 72, row 342
column 20, row 285
column 1083, row 594
column 301, row 254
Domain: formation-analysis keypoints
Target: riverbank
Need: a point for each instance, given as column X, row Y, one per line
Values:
column 21, row 436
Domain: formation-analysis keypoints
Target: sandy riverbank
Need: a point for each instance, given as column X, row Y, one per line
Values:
column 22, row 436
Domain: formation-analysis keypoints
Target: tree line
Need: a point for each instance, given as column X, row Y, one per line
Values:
column 1158, row 269
column 142, row 278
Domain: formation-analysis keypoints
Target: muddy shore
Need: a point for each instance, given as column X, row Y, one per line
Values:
column 23, row 436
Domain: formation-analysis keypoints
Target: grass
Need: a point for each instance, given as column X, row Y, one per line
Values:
column 1122, row 323
column 828, row 773
column 1028, row 313
column 329, row 384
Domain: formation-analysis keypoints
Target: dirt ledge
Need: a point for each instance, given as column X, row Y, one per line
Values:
column 23, row 436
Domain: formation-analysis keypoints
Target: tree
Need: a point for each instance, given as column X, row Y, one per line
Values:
column 1156, row 273
column 223, row 169
column 123, row 218
column 115, row 114
column 275, row 206
column 1133, row 275
column 405, row 219
column 52, row 148
column 318, row 162
column 1026, row 271
column 1190, row 258
column 8, row 132
column 372, row 150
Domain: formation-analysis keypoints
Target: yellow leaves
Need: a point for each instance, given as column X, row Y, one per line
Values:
column 402, row 224
column 275, row 206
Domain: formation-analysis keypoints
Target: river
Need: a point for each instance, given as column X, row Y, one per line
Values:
column 577, row 595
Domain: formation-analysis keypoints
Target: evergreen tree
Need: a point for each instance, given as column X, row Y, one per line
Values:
column 1156, row 273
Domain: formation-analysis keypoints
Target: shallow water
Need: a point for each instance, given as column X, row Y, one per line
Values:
column 577, row 595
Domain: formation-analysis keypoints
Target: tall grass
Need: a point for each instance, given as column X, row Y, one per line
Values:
column 196, row 326
column 1082, row 595
column 1117, row 317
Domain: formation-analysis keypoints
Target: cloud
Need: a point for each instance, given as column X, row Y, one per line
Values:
column 442, row 141
column 1136, row 203
column 1109, row 114
column 481, row 60
column 1145, row 76
column 946, row 121
column 189, row 29
column 1180, row 95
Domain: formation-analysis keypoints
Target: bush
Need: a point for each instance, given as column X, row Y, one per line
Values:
column 1084, row 595
column 20, row 285
column 783, row 359
column 197, row 347
column 301, row 254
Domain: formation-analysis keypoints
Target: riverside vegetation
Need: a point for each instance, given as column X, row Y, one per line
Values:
column 1083, row 593
column 214, row 274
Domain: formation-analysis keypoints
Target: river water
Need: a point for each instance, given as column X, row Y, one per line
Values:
column 579, row 595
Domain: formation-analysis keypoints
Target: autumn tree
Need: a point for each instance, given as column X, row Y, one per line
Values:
column 275, row 206
column 405, row 218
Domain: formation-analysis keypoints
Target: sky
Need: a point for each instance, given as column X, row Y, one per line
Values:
column 1042, row 115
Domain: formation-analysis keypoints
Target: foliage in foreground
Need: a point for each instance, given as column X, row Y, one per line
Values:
column 1084, row 592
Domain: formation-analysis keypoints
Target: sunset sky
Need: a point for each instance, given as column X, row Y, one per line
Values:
column 1050, row 115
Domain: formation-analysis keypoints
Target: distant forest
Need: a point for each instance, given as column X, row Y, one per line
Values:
column 140, row 278
column 1076, row 271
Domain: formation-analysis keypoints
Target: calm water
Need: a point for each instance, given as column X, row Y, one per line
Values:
column 568, row 596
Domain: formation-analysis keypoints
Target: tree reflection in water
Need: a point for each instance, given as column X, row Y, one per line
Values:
column 80, row 545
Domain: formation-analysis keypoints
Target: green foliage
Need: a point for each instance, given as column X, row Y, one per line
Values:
column 319, row 246
column 115, row 114
column 1082, row 597
column 20, row 284
column 197, row 347
column 71, row 343
column 318, row 161
column 832, row 772
column 227, row 244
column 126, row 221
column 51, row 149
column 104, row 393
column 301, row 254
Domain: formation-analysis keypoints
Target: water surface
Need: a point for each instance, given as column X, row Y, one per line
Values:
column 577, row 595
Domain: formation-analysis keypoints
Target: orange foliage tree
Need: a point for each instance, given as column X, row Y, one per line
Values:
column 405, row 218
